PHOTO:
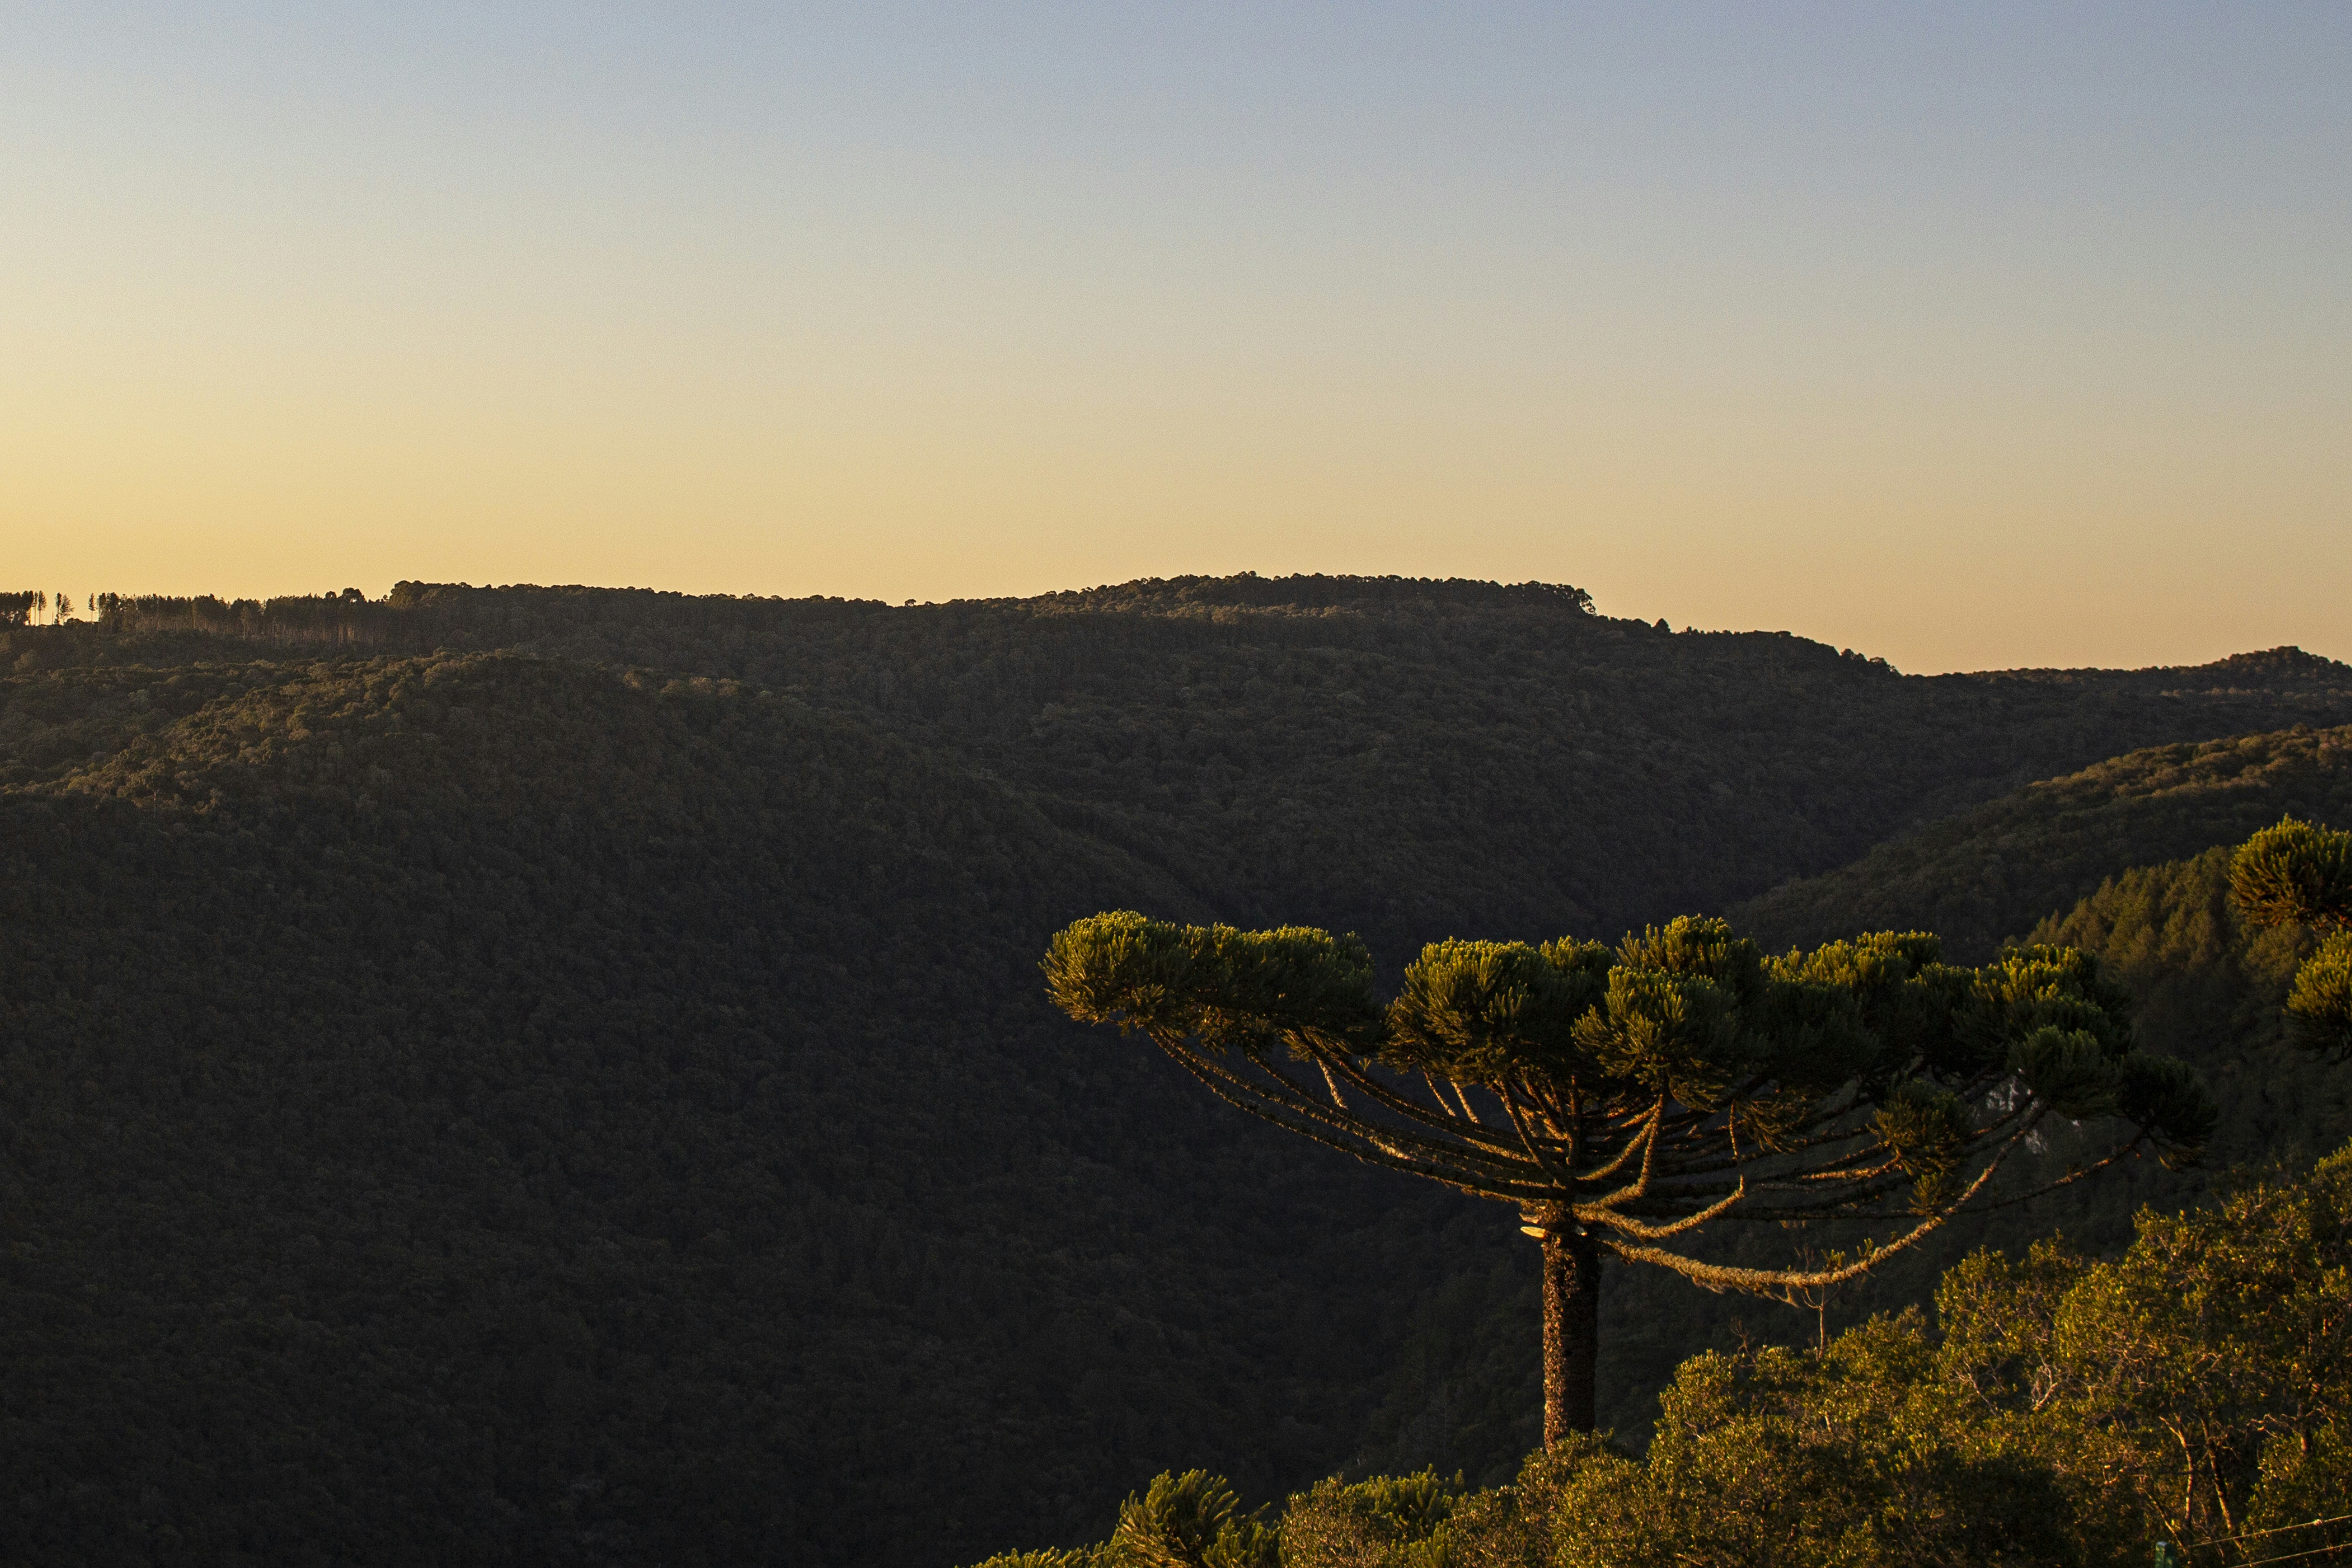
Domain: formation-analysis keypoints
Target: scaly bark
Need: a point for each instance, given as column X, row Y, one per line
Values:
column 1571, row 1333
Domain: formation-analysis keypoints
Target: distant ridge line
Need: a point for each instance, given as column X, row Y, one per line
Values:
column 418, row 614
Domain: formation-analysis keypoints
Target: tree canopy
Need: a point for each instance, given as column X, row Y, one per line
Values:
column 1626, row 1099
column 1984, row 875
column 2057, row 1410
column 2299, row 874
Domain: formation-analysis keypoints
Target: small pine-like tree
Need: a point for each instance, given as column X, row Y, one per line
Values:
column 1627, row 1100
column 1190, row 1520
column 2298, row 873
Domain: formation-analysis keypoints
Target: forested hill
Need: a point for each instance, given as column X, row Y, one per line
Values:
column 1398, row 757
column 1991, row 873
column 538, row 1076
column 2087, row 861
column 478, row 1109
column 2211, row 991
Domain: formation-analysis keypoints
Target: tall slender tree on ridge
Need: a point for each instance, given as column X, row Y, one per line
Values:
column 2301, row 874
column 1626, row 1100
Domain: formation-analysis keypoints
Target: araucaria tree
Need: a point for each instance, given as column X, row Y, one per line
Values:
column 2299, row 874
column 1628, row 1101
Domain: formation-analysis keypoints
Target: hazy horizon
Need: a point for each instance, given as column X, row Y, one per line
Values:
column 2014, row 337
column 82, row 608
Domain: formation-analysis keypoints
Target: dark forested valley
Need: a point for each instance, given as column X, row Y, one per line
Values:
column 562, row 1075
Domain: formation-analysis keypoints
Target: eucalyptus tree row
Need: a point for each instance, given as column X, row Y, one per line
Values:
column 1633, row 1102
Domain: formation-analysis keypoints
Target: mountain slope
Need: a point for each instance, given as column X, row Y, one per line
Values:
column 2212, row 991
column 1992, row 872
column 2207, row 990
column 1404, row 759
column 471, row 1110
column 596, row 1103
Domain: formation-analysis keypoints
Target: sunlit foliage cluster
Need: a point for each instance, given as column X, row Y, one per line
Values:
column 2054, row 1410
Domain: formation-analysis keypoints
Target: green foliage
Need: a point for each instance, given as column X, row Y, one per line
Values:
column 1696, row 947
column 1654, row 1112
column 1386, row 1522
column 2165, row 1091
column 2321, row 1003
column 1988, row 874
column 1669, row 1023
column 2068, row 1068
column 2294, row 874
column 1832, row 1012
column 594, row 1105
column 1480, row 1012
column 1926, row 1130
column 2198, row 1386
column 2205, row 996
column 2208, row 990
column 1228, row 987
column 1190, row 1520
column 2060, row 1411
column 1121, row 968
column 1686, row 1013
column 1858, row 1456
column 1393, row 757
column 2039, row 985
column 2299, row 875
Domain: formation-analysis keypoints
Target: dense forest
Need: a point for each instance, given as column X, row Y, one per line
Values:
column 544, row 1075
column 2180, row 1402
column 2208, row 991
column 1393, row 757
column 1983, row 874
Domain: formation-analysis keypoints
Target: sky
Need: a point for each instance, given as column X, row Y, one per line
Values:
column 1968, row 336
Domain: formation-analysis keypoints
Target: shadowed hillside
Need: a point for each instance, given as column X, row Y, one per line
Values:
column 1398, row 757
column 2208, row 990
column 596, row 1103
column 1992, row 872
column 474, row 1110
column 2212, row 990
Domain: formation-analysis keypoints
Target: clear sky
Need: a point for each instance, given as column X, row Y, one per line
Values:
column 1968, row 335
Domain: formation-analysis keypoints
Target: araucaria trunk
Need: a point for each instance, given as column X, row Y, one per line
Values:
column 1571, row 1333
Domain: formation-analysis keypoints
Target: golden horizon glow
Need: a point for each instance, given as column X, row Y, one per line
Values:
column 1904, row 337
